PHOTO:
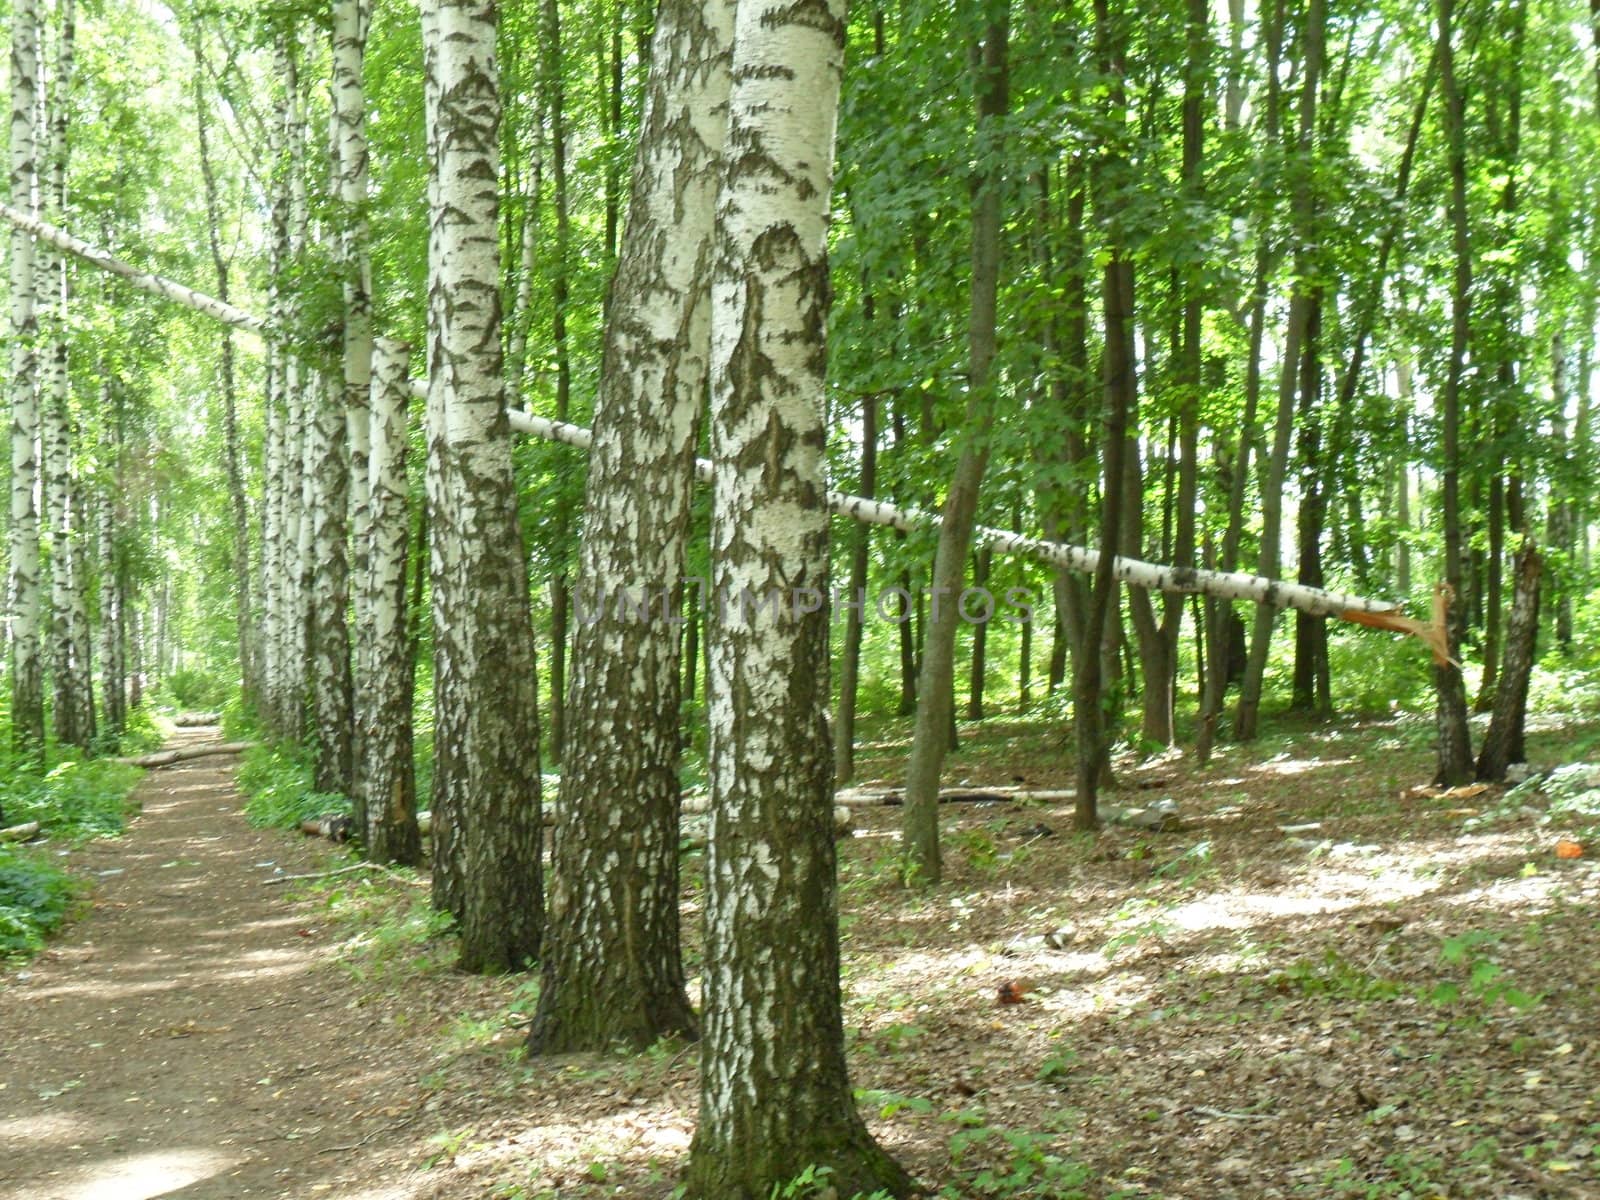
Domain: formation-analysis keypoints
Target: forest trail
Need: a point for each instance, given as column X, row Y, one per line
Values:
column 185, row 1038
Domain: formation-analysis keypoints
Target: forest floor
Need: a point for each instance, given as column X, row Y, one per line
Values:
column 1331, row 980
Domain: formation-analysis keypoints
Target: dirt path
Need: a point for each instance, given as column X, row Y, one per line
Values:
column 183, row 1039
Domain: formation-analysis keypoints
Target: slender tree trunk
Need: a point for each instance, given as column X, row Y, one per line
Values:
column 486, row 772
column 775, row 1095
column 1065, row 339
column 561, row 533
column 1311, row 691
column 982, row 567
column 239, row 502
column 930, row 743
column 1091, row 704
column 1221, row 619
column 23, row 584
column 612, row 969
column 109, row 514
column 387, row 781
column 844, row 726
column 1301, row 302
column 1455, row 741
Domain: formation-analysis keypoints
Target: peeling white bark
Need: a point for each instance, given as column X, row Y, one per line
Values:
column 612, row 971
column 486, row 780
column 27, row 672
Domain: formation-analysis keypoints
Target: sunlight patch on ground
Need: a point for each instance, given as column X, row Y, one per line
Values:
column 46, row 1127
column 1297, row 766
column 133, row 1176
column 562, row 1149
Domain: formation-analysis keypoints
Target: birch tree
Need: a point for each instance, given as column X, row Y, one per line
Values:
column 612, row 970
column 72, row 689
column 385, row 772
column 486, row 773
column 250, row 666
column 351, row 19
column 774, row 1092
column 27, row 670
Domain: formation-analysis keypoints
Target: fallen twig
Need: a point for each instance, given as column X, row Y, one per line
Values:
column 364, row 866
column 395, row 1128
column 1205, row 1110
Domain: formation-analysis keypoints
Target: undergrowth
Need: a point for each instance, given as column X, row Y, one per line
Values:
column 71, row 801
column 35, row 898
column 278, row 785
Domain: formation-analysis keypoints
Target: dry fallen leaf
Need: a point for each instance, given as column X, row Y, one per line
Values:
column 1567, row 848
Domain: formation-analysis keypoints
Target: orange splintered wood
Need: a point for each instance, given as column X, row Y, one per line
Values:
column 1435, row 633
column 1013, row 991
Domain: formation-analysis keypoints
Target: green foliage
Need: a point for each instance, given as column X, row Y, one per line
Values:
column 393, row 931
column 277, row 782
column 1335, row 976
column 1012, row 1162
column 193, row 688
column 35, row 897
column 73, row 800
column 1486, row 980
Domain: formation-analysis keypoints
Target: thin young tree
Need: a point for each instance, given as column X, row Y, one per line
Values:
column 775, row 1094
column 1455, row 740
column 486, row 772
column 72, row 689
column 612, row 970
column 233, row 455
column 27, row 665
column 931, row 742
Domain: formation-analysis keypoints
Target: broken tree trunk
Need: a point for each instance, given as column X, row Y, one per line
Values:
column 1503, row 744
column 1223, row 585
column 165, row 758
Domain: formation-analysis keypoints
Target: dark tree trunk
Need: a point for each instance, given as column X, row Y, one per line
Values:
column 1503, row 744
column 935, row 683
column 1455, row 740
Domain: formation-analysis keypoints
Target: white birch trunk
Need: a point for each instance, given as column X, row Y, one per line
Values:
column 612, row 969
column 774, row 1092
column 385, row 785
column 303, row 397
column 23, row 585
column 72, row 706
column 486, row 778
column 328, row 474
column 351, row 19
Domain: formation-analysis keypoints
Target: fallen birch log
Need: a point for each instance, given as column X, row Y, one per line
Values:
column 365, row 866
column 165, row 758
column 20, row 833
column 189, row 720
column 873, row 797
column 1223, row 585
